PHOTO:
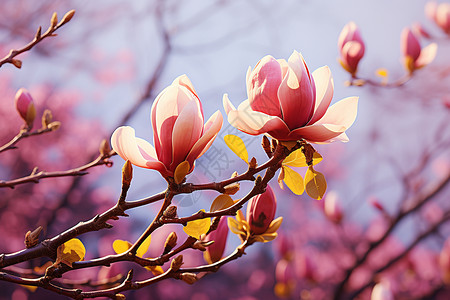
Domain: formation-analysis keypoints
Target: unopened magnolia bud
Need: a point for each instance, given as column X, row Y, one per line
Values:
column 261, row 211
column 176, row 263
column 232, row 189
column 47, row 118
column 120, row 297
column 127, row 173
column 17, row 63
column 189, row 278
column 54, row 20
column 170, row 212
column 104, row 148
column 252, row 164
column 54, row 125
column 68, row 16
column 265, row 143
column 32, row 238
column 170, row 243
column 25, row 106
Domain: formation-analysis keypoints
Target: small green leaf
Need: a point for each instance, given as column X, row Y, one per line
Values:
column 236, row 144
column 315, row 183
column 221, row 202
column 197, row 227
column 181, row 171
column 293, row 180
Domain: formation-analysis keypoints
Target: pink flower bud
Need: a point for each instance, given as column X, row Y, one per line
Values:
column 284, row 272
column 382, row 291
column 414, row 56
column 215, row 251
column 332, row 207
column 178, row 131
column 283, row 245
column 444, row 262
column 351, row 47
column 25, row 106
column 261, row 211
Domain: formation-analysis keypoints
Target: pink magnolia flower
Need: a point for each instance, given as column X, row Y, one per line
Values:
column 440, row 14
column 414, row 56
column 178, row 131
column 25, row 106
column 214, row 252
column 261, row 211
column 289, row 103
column 351, row 47
column 332, row 207
column 382, row 291
column 444, row 261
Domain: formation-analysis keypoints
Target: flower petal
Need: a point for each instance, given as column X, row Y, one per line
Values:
column 186, row 131
column 296, row 93
column 254, row 122
column 324, row 92
column 262, row 86
column 138, row 151
column 317, row 133
column 341, row 113
column 210, row 131
column 426, row 55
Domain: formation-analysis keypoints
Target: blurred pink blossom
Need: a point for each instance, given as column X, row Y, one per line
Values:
column 178, row 131
column 351, row 47
column 289, row 103
column 440, row 14
column 332, row 207
column 382, row 291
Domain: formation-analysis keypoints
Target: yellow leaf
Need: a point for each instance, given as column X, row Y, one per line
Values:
column 120, row 246
column 315, row 183
column 382, row 72
column 156, row 270
column 181, row 171
column 70, row 252
column 298, row 159
column 274, row 225
column 144, row 247
column 267, row 237
column 221, row 202
column 236, row 144
column 197, row 227
column 31, row 288
column 235, row 226
column 293, row 180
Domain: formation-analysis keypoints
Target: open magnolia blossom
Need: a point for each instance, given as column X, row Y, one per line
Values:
column 414, row 56
column 178, row 131
column 289, row 103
